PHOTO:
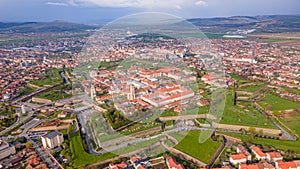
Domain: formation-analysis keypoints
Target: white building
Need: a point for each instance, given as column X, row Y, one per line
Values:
column 258, row 153
column 52, row 139
column 238, row 158
column 274, row 156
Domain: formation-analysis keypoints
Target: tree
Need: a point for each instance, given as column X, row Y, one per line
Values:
column 251, row 130
column 29, row 144
column 276, row 113
column 269, row 107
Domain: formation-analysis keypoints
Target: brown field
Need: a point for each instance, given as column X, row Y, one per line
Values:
column 282, row 39
column 290, row 113
column 289, row 43
column 283, row 36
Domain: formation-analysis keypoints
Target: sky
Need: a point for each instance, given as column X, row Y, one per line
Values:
column 101, row 11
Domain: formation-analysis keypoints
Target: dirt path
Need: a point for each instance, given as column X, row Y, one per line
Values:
column 187, row 117
column 238, row 127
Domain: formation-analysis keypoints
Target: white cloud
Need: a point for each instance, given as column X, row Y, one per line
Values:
column 57, row 3
column 166, row 4
column 134, row 3
column 200, row 3
column 178, row 6
column 72, row 2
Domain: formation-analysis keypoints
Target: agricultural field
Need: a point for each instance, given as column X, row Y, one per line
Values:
column 202, row 151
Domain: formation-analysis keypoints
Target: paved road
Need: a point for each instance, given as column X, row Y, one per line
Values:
column 44, row 156
column 20, row 120
column 31, row 124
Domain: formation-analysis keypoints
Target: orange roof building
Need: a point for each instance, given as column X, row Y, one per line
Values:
column 118, row 166
column 286, row 165
column 172, row 164
column 250, row 166
column 274, row 156
column 258, row 153
column 238, row 158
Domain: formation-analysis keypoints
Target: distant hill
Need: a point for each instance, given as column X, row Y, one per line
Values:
column 56, row 26
column 268, row 23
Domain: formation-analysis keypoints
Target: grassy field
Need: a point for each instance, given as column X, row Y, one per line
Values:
column 277, row 103
column 247, row 116
column 26, row 90
column 139, row 127
column 293, row 123
column 55, row 94
column 190, row 145
column 236, row 77
column 138, row 146
column 252, row 88
column 290, row 90
column 169, row 112
column 82, row 158
column 278, row 144
column 52, row 77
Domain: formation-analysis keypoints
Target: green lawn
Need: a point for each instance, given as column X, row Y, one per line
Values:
column 138, row 146
column 55, row 94
column 139, row 127
column 51, row 77
column 169, row 112
column 82, row 158
column 279, row 144
column 247, row 116
column 290, row 90
column 64, row 131
column 236, row 77
column 252, row 88
column 293, row 123
column 278, row 103
column 191, row 146
column 26, row 90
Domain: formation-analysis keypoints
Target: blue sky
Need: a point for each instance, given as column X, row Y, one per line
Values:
column 95, row 11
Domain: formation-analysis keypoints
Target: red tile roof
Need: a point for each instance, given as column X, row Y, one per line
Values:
column 134, row 159
column 275, row 154
column 287, row 165
column 251, row 166
column 118, row 166
column 258, row 151
column 238, row 156
column 173, row 164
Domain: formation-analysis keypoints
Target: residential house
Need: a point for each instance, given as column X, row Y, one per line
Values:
column 274, row 156
column 258, row 153
column 172, row 163
column 238, row 158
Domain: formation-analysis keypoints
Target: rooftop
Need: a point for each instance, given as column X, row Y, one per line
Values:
column 52, row 134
